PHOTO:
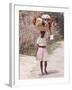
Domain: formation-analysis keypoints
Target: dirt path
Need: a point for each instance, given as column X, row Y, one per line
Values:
column 29, row 67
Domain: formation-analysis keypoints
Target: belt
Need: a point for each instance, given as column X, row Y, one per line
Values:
column 42, row 46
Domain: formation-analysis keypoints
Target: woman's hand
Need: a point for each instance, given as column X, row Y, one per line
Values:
column 51, row 37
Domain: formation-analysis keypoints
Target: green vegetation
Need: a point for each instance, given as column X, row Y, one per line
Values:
column 52, row 46
column 31, row 50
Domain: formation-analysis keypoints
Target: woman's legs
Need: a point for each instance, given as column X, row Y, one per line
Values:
column 41, row 66
column 45, row 67
column 45, row 64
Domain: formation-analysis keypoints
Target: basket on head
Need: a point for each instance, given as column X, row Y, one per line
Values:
column 42, row 28
column 42, row 23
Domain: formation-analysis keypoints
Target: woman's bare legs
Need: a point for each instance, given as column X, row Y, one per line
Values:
column 41, row 67
column 45, row 67
column 45, row 64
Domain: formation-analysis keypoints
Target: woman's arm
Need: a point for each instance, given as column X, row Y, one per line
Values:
column 37, row 48
column 51, row 35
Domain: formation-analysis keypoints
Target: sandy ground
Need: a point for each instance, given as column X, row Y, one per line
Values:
column 30, row 69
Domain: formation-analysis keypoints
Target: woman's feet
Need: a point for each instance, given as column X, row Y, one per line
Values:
column 46, row 72
column 42, row 73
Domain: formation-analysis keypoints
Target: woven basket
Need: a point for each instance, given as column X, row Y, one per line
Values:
column 42, row 28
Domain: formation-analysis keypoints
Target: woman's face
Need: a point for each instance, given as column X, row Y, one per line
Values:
column 42, row 33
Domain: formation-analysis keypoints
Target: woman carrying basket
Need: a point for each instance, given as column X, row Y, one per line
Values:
column 42, row 53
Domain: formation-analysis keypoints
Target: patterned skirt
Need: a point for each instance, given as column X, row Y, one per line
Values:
column 42, row 54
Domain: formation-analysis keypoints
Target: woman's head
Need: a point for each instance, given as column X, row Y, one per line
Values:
column 42, row 33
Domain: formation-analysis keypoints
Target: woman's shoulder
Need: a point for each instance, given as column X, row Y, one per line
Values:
column 39, row 37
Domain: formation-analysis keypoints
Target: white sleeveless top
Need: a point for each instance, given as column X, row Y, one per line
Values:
column 41, row 41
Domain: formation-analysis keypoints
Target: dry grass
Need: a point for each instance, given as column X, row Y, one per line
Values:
column 31, row 50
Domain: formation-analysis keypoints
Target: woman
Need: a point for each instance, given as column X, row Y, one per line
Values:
column 42, row 54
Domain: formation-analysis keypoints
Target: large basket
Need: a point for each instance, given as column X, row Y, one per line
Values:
column 42, row 23
column 42, row 28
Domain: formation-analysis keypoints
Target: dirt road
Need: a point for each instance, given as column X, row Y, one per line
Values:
column 29, row 67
